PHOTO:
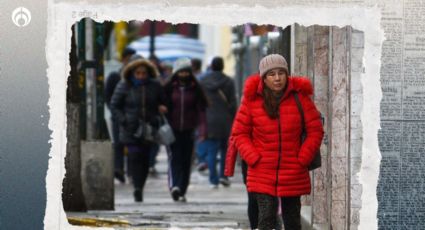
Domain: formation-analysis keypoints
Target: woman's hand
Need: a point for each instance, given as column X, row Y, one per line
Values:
column 162, row 109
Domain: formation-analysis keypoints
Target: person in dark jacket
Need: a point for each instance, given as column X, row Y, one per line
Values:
column 267, row 133
column 196, row 67
column 186, row 104
column 220, row 91
column 118, row 147
column 137, row 102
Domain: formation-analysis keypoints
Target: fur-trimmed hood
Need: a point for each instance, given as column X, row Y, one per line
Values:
column 254, row 86
column 151, row 68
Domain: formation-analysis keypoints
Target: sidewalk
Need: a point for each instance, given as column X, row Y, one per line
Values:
column 205, row 207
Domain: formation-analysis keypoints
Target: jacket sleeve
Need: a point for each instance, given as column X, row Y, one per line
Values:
column 118, row 101
column 232, row 98
column 314, row 130
column 161, row 95
column 241, row 131
column 231, row 154
column 110, row 85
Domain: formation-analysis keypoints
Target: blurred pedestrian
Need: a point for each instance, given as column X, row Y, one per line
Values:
column 155, row 60
column 220, row 91
column 267, row 133
column 196, row 67
column 167, row 67
column 137, row 102
column 155, row 146
column 187, row 104
column 118, row 147
column 202, row 162
column 201, row 75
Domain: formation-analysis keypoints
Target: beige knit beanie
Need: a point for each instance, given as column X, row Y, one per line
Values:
column 272, row 61
column 182, row 63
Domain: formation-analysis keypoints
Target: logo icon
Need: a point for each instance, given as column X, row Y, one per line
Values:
column 21, row 16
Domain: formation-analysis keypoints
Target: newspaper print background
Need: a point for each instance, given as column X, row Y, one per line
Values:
column 400, row 201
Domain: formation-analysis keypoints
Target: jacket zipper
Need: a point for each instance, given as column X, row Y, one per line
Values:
column 181, row 108
column 280, row 155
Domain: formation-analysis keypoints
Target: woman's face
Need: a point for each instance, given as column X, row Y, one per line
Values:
column 184, row 74
column 276, row 79
column 140, row 73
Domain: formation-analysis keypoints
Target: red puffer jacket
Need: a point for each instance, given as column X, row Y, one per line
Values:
column 277, row 163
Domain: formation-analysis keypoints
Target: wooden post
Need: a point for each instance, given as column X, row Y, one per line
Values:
column 340, row 139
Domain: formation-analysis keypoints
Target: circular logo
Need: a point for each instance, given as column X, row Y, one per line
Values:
column 21, row 16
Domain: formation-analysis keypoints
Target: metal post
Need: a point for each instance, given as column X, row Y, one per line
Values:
column 90, row 81
column 152, row 39
column 81, row 41
column 100, row 129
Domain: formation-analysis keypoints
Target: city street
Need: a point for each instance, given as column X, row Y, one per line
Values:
column 104, row 54
column 205, row 207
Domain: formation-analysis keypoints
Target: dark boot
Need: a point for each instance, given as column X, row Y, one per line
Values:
column 120, row 176
column 138, row 195
column 175, row 193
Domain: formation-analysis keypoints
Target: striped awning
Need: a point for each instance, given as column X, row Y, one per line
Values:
column 170, row 47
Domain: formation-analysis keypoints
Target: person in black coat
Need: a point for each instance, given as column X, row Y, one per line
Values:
column 137, row 102
column 111, row 82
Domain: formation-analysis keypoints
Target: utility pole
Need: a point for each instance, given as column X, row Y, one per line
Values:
column 152, row 33
column 90, row 81
column 99, row 47
column 81, row 59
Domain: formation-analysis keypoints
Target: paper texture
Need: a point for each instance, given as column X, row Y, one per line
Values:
column 398, row 67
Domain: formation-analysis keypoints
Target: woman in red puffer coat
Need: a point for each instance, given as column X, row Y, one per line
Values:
column 267, row 132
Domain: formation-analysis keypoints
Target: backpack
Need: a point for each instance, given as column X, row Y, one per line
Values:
column 317, row 160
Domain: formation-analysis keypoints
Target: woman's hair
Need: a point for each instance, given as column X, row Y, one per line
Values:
column 271, row 102
column 129, row 69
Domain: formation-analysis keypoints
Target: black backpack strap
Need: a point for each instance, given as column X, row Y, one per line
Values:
column 317, row 160
column 300, row 109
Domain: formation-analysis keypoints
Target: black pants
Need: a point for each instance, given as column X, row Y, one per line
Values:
column 153, row 154
column 267, row 209
column 291, row 212
column 252, row 203
column 118, row 148
column 180, row 160
column 139, row 161
column 291, row 209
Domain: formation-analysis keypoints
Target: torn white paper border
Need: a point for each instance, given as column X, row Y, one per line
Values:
column 61, row 18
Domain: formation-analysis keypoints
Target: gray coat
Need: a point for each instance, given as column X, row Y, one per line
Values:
column 220, row 91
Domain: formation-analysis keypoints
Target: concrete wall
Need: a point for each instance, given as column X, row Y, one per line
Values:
column 97, row 174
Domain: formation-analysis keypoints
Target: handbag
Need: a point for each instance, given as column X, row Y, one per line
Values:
column 317, row 160
column 165, row 135
column 144, row 132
